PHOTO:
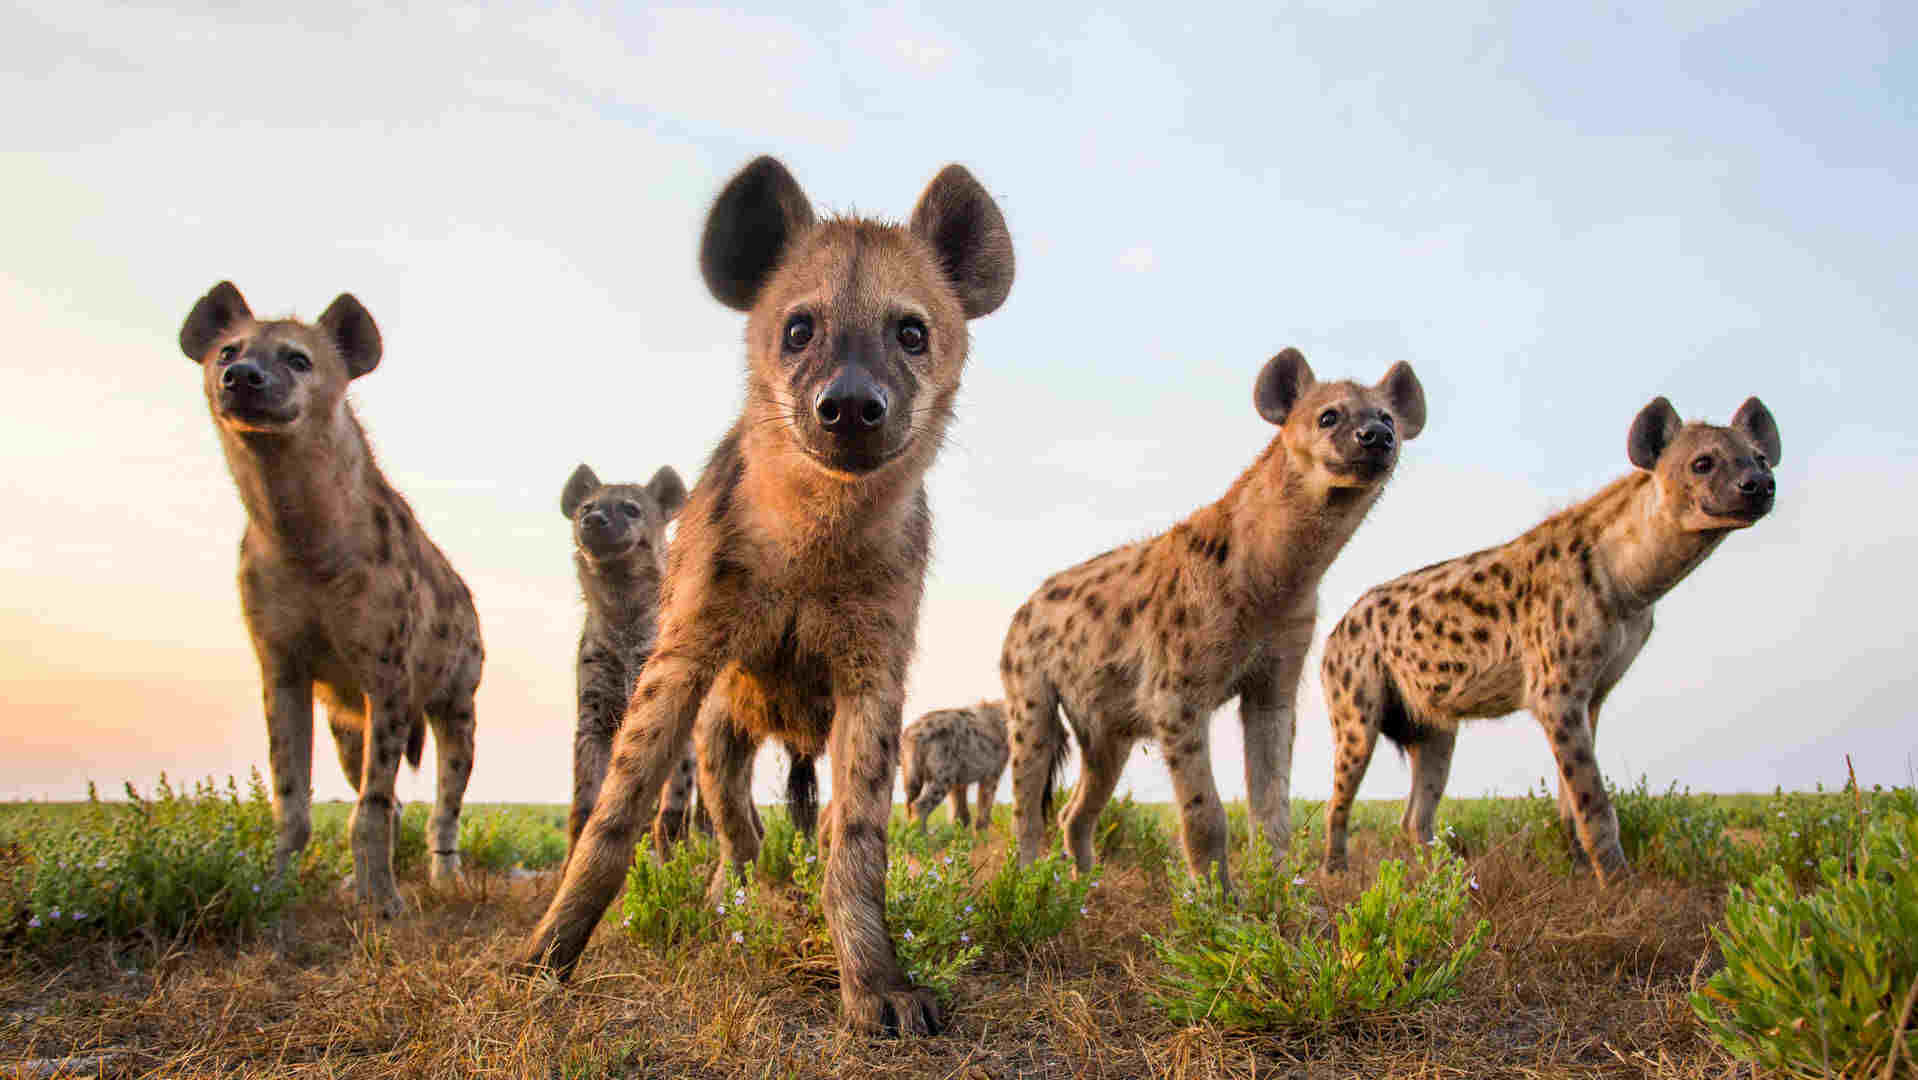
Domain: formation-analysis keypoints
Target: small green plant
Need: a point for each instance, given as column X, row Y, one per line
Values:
column 1393, row 948
column 665, row 902
column 161, row 867
column 1821, row 983
column 503, row 839
column 1674, row 833
column 780, row 845
column 929, row 910
column 1129, row 831
column 1025, row 905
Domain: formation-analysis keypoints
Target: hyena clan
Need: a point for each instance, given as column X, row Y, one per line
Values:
column 793, row 586
column 619, row 550
column 342, row 592
column 947, row 749
column 1548, row 622
column 1145, row 641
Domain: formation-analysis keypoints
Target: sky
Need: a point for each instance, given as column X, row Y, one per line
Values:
column 1553, row 213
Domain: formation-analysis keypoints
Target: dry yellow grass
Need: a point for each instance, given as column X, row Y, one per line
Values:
column 1575, row 982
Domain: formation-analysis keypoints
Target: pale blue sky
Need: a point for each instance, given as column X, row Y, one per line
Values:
column 1553, row 213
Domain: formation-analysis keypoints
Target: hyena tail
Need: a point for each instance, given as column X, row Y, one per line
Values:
column 1395, row 720
column 915, row 783
column 1056, row 764
column 802, row 794
column 416, row 741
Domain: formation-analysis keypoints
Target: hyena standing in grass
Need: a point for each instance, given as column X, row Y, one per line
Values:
column 793, row 586
column 619, row 550
column 1548, row 622
column 947, row 749
column 1145, row 641
column 342, row 592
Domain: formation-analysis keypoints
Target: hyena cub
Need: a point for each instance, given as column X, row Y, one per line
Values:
column 1548, row 622
column 1145, row 641
column 619, row 550
column 342, row 592
column 793, row 586
column 947, row 749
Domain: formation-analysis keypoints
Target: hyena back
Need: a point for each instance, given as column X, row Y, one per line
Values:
column 1548, row 622
column 947, row 749
column 792, row 589
column 619, row 551
column 1145, row 641
column 343, row 594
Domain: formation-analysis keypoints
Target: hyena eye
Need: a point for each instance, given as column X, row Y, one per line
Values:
column 228, row 352
column 299, row 361
column 798, row 332
column 1328, row 418
column 1702, row 464
column 631, row 510
column 912, row 336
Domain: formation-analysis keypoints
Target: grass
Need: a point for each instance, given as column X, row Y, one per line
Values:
column 1572, row 980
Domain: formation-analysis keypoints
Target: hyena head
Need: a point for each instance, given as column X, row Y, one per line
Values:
column 857, row 331
column 280, row 376
column 1342, row 434
column 622, row 524
column 1708, row 477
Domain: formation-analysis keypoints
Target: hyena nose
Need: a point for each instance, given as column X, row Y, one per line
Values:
column 242, row 374
column 1375, row 437
column 593, row 519
column 1757, row 483
column 851, row 403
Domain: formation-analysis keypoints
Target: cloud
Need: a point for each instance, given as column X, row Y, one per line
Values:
column 1136, row 259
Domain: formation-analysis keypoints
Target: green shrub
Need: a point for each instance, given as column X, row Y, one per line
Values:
column 929, row 911
column 507, row 838
column 1393, row 948
column 1799, row 831
column 1025, row 905
column 1132, row 832
column 1675, row 833
column 162, row 867
column 1473, row 827
column 1815, row 985
column 780, row 846
column 665, row 902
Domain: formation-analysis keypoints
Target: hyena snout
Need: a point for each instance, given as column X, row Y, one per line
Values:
column 1757, row 485
column 852, row 404
column 1377, row 437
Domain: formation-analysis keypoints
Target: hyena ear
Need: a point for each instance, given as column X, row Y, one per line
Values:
column 967, row 232
column 353, row 332
column 1402, row 391
column 1653, row 430
column 667, row 489
column 579, row 485
column 1282, row 381
column 750, row 226
column 1756, row 422
column 215, row 312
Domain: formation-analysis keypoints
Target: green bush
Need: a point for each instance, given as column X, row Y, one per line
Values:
column 929, row 910
column 665, row 902
column 1674, row 833
column 1816, row 984
column 1129, row 831
column 508, row 838
column 780, row 846
column 1393, row 948
column 1025, row 905
column 162, row 867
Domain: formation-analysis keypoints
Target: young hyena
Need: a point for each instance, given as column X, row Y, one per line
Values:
column 792, row 589
column 1548, row 622
column 342, row 592
column 1144, row 642
column 619, row 550
column 947, row 749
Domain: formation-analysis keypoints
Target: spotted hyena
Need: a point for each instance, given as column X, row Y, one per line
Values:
column 1145, row 641
column 344, row 596
column 1548, row 622
column 947, row 749
column 793, row 586
column 619, row 551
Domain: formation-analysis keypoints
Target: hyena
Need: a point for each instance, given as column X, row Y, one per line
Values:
column 343, row 594
column 947, row 749
column 619, row 551
column 793, row 586
column 1145, row 641
column 1548, row 622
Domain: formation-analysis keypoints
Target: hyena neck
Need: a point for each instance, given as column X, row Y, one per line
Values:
column 1643, row 550
column 1283, row 528
column 306, row 493
column 621, row 596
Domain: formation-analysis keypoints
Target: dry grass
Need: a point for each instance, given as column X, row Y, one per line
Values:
column 1576, row 982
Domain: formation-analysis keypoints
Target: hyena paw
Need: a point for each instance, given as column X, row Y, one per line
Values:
column 910, row 1010
column 445, row 872
column 1335, row 864
column 384, row 900
column 1613, row 870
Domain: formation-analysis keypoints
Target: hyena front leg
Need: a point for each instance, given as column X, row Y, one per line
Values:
column 389, row 720
column 961, row 813
column 1268, row 723
column 602, row 701
column 1431, row 764
column 289, row 734
column 1568, row 803
column 1564, row 720
column 725, row 755
column 1182, row 736
column 988, row 792
column 455, row 724
column 658, row 723
column 873, row 988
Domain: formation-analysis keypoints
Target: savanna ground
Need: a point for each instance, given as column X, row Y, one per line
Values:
column 1572, row 980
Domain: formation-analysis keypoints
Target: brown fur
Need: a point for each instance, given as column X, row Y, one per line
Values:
column 1145, row 641
column 947, row 749
column 793, row 586
column 344, row 596
column 1548, row 622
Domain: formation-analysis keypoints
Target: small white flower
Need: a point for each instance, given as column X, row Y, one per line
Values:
column 948, row 860
column 738, row 938
column 79, row 915
column 100, row 863
column 628, row 922
column 1794, row 834
column 722, row 909
column 810, row 858
column 1298, row 881
column 908, row 935
column 1055, row 876
column 739, row 896
column 55, row 913
column 1781, row 813
column 256, row 888
column 965, row 939
column 1082, row 909
column 33, row 923
column 1474, row 882
column 968, row 909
